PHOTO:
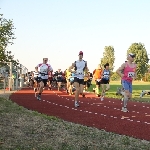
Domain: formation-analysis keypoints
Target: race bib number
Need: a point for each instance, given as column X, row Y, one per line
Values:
column 131, row 74
column 79, row 71
column 98, row 80
column 106, row 76
column 59, row 75
column 43, row 71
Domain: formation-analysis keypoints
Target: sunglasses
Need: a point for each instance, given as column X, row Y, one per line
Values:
column 133, row 56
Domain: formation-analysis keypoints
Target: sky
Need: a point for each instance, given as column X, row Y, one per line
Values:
column 59, row 29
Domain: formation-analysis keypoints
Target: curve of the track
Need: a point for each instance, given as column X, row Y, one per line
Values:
column 92, row 112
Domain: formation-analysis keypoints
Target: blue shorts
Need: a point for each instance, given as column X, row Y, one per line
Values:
column 127, row 85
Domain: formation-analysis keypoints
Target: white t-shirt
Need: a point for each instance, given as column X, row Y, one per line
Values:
column 43, row 70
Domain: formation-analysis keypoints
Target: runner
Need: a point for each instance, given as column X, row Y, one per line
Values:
column 144, row 91
column 71, row 87
column 50, row 80
column 89, row 81
column 35, row 77
column 59, row 77
column 68, row 74
column 31, row 80
column 121, row 90
column 97, row 77
column 105, row 80
column 43, row 75
column 129, row 73
column 86, row 77
column 80, row 65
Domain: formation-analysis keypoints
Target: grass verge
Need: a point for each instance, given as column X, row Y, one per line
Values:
column 23, row 129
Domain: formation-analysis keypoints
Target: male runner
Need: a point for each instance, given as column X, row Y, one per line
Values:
column 35, row 77
column 80, row 66
column 44, row 69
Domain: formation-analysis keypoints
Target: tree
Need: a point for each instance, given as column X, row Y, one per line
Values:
column 6, row 38
column 141, row 58
column 115, row 77
column 108, row 57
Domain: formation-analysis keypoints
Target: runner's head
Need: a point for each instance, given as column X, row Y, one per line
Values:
column 106, row 66
column 80, row 55
column 99, row 66
column 45, row 60
column 131, row 57
column 36, row 68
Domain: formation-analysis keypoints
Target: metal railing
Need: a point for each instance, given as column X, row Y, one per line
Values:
column 9, row 81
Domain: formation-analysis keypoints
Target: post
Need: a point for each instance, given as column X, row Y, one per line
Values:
column 10, row 79
column 4, row 83
column 17, row 78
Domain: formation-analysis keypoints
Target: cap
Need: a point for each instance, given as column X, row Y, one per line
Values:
column 132, row 55
column 80, row 53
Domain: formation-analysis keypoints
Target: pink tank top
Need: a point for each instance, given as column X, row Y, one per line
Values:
column 129, row 73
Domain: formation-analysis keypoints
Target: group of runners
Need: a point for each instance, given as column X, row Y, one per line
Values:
column 77, row 78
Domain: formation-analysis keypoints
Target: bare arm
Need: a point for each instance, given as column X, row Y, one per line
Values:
column 71, row 67
column 121, row 68
column 86, row 67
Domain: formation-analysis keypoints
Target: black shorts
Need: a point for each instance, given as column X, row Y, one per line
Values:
column 65, row 80
column 98, row 82
column 80, row 81
column 42, row 80
column 50, row 81
column 103, row 81
column 36, row 78
column 85, row 82
column 59, row 79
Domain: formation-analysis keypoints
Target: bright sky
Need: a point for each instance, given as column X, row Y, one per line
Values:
column 59, row 29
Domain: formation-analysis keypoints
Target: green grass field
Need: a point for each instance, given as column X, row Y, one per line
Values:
column 137, row 88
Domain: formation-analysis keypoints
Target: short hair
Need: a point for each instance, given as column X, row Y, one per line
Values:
column 107, row 64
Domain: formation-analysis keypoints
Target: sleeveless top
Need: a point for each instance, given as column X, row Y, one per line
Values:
column 106, row 74
column 79, row 67
column 129, row 73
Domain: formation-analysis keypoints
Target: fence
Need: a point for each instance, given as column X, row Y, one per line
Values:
column 10, row 83
column 12, row 77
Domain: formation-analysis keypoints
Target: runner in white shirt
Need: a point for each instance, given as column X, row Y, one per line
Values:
column 80, row 66
column 44, row 69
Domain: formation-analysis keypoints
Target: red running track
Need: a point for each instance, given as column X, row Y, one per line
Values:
column 92, row 112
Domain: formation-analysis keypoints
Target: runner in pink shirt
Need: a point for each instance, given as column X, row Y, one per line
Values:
column 127, row 72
